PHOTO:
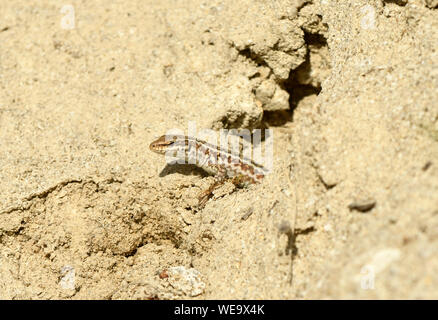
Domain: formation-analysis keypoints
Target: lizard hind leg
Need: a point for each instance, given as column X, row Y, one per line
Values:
column 241, row 181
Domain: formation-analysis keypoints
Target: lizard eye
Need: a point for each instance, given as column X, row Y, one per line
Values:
column 168, row 140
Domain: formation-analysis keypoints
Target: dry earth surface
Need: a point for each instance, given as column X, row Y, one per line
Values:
column 349, row 88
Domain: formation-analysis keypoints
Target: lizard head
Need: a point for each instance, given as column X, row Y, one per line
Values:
column 163, row 144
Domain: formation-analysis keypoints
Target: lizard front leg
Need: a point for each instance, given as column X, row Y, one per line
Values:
column 240, row 181
column 207, row 194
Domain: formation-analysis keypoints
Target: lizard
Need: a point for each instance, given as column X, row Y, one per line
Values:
column 224, row 165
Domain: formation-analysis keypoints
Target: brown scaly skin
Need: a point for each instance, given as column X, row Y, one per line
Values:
column 224, row 165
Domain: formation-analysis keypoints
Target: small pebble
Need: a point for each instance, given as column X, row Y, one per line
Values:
column 248, row 213
column 362, row 205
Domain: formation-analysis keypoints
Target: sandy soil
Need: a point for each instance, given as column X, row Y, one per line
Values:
column 350, row 90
